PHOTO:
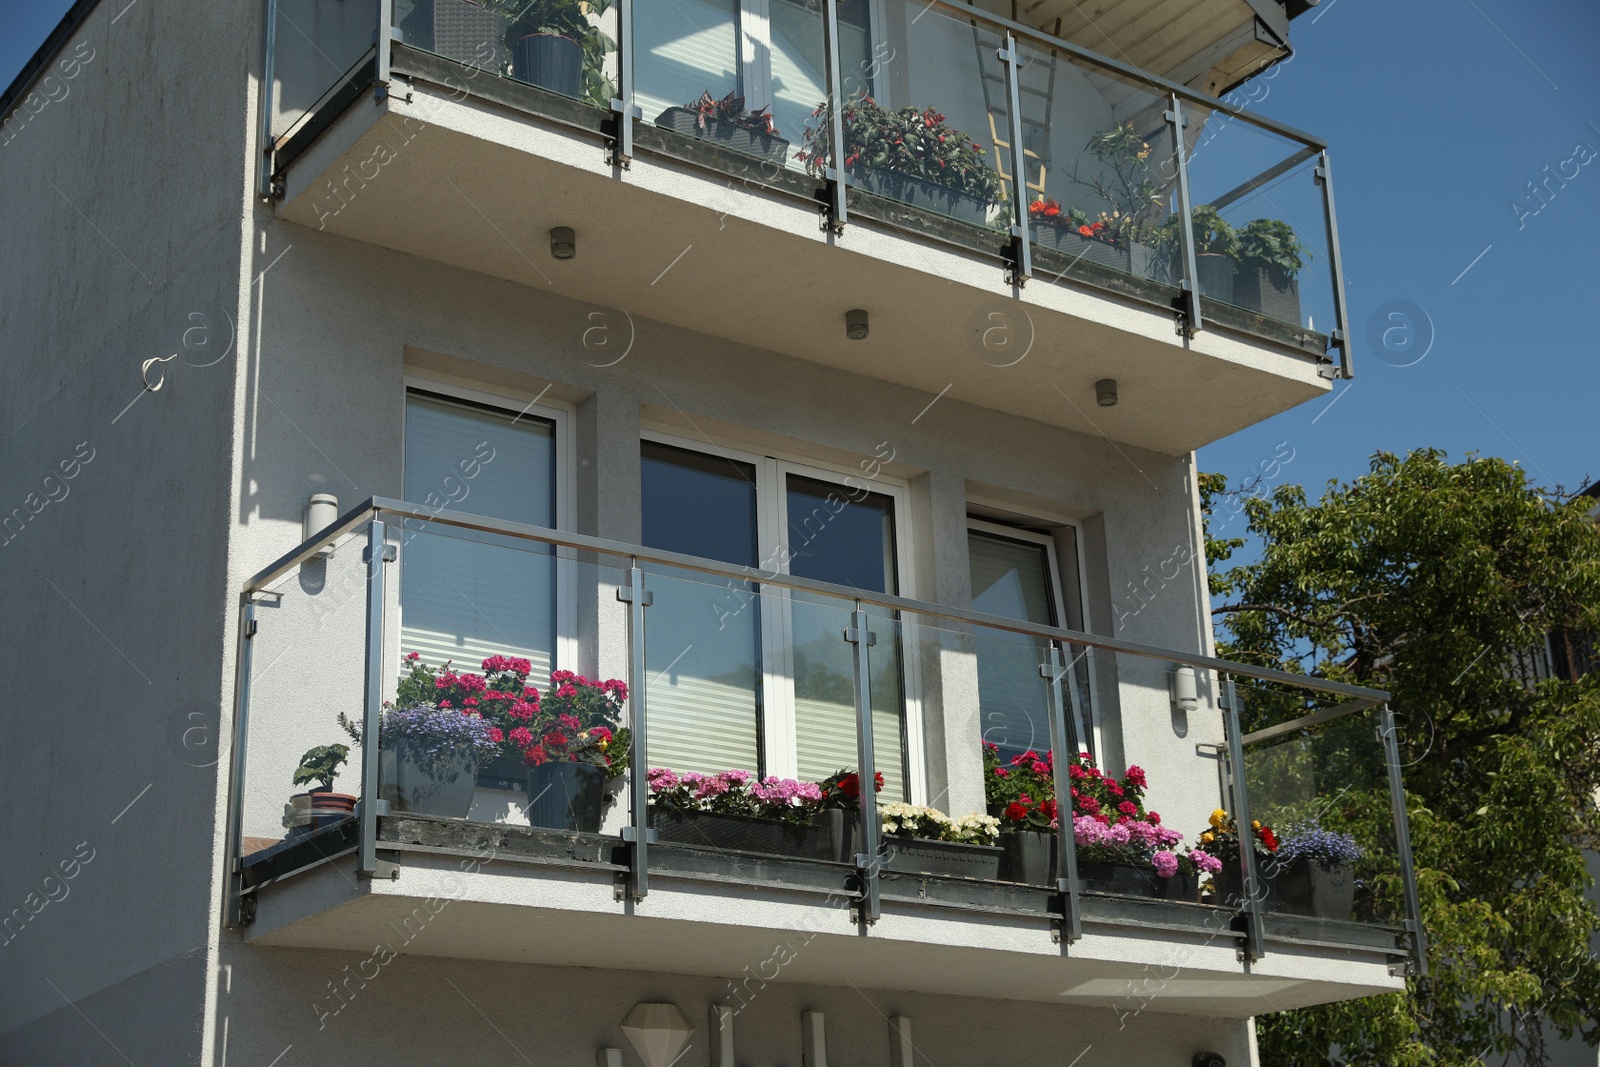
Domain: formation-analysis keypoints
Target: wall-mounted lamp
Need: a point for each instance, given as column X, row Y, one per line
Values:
column 1185, row 689
column 1105, row 392
column 657, row 1032
column 1209, row 1059
column 322, row 510
column 855, row 324
column 563, row 242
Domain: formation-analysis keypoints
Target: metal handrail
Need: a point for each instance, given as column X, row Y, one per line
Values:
column 1360, row 697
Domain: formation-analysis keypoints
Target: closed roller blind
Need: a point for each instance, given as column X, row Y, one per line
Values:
column 1012, row 579
column 465, row 598
column 682, row 49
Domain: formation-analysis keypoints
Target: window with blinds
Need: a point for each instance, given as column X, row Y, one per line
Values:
column 1012, row 577
column 702, row 636
column 738, row 672
column 682, row 49
column 464, row 596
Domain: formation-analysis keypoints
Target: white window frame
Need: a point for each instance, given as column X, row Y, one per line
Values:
column 772, row 467
column 1057, row 585
column 564, row 416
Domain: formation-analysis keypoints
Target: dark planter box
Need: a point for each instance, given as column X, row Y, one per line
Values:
column 404, row 784
column 1215, row 277
column 739, row 138
column 1068, row 241
column 920, row 193
column 507, row 772
column 916, row 855
column 746, row 833
column 1270, row 292
column 1307, row 888
column 1184, row 887
column 1029, row 857
column 460, row 30
column 1121, row 879
column 566, row 796
column 1228, row 885
column 550, row 62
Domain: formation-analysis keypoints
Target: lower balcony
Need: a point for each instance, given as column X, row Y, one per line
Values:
column 1229, row 840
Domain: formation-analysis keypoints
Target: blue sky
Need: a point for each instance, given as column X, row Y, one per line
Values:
column 1438, row 113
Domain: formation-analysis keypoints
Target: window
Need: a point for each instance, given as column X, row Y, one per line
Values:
column 1015, row 575
column 759, row 678
column 465, row 596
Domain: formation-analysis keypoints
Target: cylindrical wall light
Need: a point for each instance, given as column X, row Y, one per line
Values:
column 563, row 242
column 1185, row 689
column 855, row 324
column 322, row 511
column 1105, row 392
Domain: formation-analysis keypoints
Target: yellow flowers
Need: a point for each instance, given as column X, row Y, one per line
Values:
column 1255, row 825
column 1207, row 837
column 1218, row 817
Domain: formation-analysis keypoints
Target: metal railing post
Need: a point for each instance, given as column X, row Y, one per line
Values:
column 383, row 43
column 623, row 109
column 867, row 864
column 1255, row 934
column 1063, row 749
column 268, row 98
column 1021, row 253
column 1190, row 282
column 638, row 833
column 234, row 915
column 1341, row 309
column 1402, row 840
column 378, row 552
column 838, row 182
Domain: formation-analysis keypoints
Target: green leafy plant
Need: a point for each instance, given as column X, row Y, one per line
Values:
column 918, row 144
column 572, row 19
column 1271, row 245
column 730, row 109
column 321, row 764
column 1212, row 233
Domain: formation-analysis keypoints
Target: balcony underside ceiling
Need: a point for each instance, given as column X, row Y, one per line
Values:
column 1205, row 44
column 673, row 244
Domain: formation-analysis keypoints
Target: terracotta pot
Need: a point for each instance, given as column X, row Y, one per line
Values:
column 306, row 813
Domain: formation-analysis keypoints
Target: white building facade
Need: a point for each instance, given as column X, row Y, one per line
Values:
column 344, row 331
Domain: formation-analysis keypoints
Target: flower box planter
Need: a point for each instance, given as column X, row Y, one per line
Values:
column 306, row 813
column 916, row 855
column 1120, row 879
column 461, row 30
column 729, row 134
column 1307, row 888
column 507, row 772
column 1028, row 857
column 1067, row 240
column 1228, row 885
column 1271, row 292
column 813, row 839
column 550, row 62
column 1215, row 275
column 408, row 787
column 566, row 796
column 921, row 193
column 1184, row 887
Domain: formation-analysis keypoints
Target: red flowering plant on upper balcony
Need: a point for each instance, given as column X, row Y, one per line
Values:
column 576, row 720
column 1020, row 792
column 915, row 143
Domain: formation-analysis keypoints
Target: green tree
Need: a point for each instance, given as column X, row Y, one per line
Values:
column 1432, row 580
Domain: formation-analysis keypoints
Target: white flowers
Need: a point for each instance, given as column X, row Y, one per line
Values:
column 914, row 820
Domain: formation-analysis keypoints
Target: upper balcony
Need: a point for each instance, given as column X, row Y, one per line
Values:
column 437, row 852
column 931, row 163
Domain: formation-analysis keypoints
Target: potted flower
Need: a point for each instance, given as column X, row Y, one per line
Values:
column 1222, row 841
column 1122, row 180
column 1270, row 257
column 738, row 812
column 920, row 840
column 501, row 695
column 1316, row 872
column 908, row 155
column 1121, row 847
column 573, row 746
column 727, row 122
column 1022, row 795
column 1215, row 245
column 554, row 44
column 429, row 756
column 840, row 806
column 320, row 806
column 1194, row 867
